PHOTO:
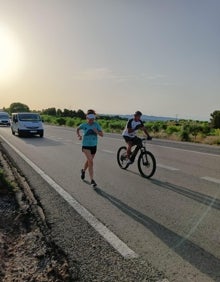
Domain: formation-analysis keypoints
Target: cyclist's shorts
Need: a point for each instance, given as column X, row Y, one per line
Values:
column 92, row 149
column 135, row 140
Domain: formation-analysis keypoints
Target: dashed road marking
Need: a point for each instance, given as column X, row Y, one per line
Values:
column 215, row 180
column 108, row 235
column 167, row 167
column 185, row 150
column 107, row 151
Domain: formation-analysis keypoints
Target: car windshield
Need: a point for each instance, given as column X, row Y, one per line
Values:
column 4, row 116
column 29, row 117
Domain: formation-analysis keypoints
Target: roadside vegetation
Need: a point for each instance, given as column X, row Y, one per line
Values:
column 178, row 130
column 207, row 132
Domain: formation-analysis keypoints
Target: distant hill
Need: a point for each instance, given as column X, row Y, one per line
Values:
column 144, row 117
column 149, row 118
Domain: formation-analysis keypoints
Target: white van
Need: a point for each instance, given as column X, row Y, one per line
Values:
column 27, row 124
column 4, row 119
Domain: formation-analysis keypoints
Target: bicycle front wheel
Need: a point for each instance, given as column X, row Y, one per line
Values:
column 122, row 157
column 146, row 164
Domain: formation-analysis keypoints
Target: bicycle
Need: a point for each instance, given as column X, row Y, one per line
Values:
column 146, row 161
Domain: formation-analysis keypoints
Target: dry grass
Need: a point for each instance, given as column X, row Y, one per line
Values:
column 210, row 140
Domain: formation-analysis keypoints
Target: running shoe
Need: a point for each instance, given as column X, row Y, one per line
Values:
column 93, row 183
column 82, row 174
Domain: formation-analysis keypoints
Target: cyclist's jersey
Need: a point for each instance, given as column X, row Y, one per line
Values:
column 132, row 124
column 89, row 136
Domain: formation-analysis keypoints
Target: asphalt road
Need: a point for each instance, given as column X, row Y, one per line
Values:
column 172, row 220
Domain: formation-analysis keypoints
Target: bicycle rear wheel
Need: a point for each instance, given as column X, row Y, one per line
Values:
column 146, row 164
column 122, row 157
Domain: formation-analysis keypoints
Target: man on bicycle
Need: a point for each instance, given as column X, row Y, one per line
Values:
column 130, row 131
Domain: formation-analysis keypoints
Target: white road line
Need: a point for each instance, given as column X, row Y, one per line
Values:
column 167, row 167
column 108, row 151
column 184, row 150
column 108, row 235
column 215, row 180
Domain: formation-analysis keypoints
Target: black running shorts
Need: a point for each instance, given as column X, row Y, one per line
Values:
column 92, row 149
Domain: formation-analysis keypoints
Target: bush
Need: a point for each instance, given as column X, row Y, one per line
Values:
column 184, row 133
column 155, row 127
column 172, row 129
column 61, row 121
column 47, row 119
column 117, row 125
column 163, row 126
column 217, row 132
column 70, row 122
column 205, row 128
column 104, row 124
column 194, row 129
column 3, row 181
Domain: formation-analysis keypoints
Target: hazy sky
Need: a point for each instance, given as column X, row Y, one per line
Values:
column 158, row 56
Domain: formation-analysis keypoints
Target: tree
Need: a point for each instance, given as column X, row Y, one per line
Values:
column 50, row 111
column 66, row 113
column 184, row 133
column 59, row 113
column 215, row 119
column 81, row 114
column 18, row 107
column 194, row 129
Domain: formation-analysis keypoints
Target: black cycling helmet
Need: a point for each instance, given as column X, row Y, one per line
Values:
column 138, row 113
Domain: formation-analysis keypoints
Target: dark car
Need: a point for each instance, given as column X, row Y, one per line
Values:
column 4, row 119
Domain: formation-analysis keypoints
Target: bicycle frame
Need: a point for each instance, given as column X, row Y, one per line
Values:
column 140, row 147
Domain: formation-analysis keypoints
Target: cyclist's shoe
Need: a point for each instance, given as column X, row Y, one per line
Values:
column 129, row 161
column 123, row 158
column 82, row 174
column 93, row 183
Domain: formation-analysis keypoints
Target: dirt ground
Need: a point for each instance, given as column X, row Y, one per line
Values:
column 26, row 251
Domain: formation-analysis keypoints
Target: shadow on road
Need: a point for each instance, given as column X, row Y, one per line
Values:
column 204, row 261
column 212, row 202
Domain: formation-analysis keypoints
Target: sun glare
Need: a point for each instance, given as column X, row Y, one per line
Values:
column 10, row 55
